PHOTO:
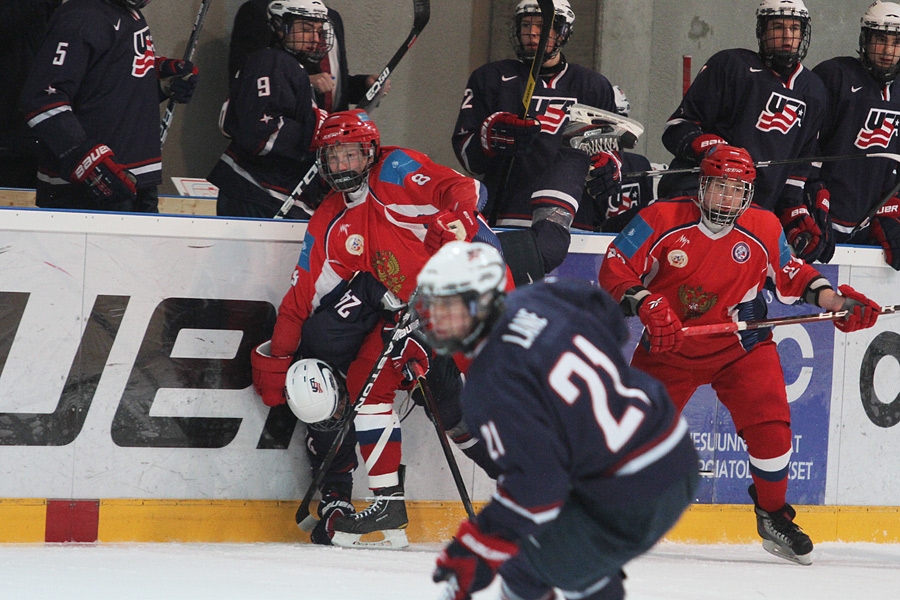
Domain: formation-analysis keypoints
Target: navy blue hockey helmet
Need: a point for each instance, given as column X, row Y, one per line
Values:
column 878, row 36
column 777, row 44
column 563, row 24
column 312, row 45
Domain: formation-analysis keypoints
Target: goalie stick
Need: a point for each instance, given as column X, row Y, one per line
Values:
column 421, row 14
column 415, row 370
column 547, row 15
column 692, row 330
column 405, row 326
column 188, row 54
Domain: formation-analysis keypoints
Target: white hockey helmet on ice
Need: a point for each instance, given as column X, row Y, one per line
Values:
column 771, row 45
column 881, row 19
column 623, row 106
column 563, row 24
column 460, row 295
column 312, row 46
column 316, row 395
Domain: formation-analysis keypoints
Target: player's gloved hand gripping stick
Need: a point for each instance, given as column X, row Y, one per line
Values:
column 188, row 54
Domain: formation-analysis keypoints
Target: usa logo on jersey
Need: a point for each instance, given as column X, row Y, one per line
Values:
column 880, row 128
column 144, row 58
column 551, row 112
column 781, row 114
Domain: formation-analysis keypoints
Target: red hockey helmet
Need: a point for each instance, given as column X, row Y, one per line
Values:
column 726, row 186
column 346, row 148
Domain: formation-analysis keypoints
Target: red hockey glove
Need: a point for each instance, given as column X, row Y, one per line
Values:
column 470, row 562
column 863, row 312
column 332, row 506
column 405, row 349
column 886, row 229
column 818, row 200
column 605, row 177
column 663, row 325
column 177, row 78
column 802, row 232
column 449, row 226
column 704, row 143
column 505, row 133
column 269, row 373
column 106, row 179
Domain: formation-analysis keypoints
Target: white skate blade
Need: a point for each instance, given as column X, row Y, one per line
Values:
column 773, row 548
column 393, row 539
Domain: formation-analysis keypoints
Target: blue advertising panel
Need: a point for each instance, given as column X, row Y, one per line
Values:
column 806, row 355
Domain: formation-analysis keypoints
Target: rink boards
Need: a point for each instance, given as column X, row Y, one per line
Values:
column 127, row 410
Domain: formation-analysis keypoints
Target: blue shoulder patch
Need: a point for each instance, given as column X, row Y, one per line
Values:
column 784, row 251
column 633, row 237
column 305, row 251
column 396, row 166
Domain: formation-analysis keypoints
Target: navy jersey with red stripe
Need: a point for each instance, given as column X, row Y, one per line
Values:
column 94, row 81
column 861, row 117
column 736, row 97
column 499, row 87
column 563, row 413
column 271, row 120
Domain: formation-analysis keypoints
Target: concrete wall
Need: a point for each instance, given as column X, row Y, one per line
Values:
column 638, row 44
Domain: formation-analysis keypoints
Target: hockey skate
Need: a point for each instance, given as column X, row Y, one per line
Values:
column 383, row 522
column 335, row 503
column 781, row 536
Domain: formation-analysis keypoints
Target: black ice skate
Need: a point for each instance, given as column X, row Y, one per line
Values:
column 590, row 138
column 384, row 521
column 781, row 536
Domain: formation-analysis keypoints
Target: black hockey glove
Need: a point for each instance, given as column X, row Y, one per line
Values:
column 470, row 562
column 885, row 228
column 104, row 177
column 334, row 504
column 177, row 78
column 605, row 177
column 505, row 133
column 818, row 201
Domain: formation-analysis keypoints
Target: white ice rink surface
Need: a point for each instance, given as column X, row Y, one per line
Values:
column 283, row 571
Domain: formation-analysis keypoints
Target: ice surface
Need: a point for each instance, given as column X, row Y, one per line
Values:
column 285, row 571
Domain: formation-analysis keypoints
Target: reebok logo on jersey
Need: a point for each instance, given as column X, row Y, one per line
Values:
column 144, row 58
column 781, row 114
column 878, row 130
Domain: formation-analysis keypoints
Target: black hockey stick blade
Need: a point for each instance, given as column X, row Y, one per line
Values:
column 188, row 55
column 405, row 326
column 874, row 210
column 421, row 14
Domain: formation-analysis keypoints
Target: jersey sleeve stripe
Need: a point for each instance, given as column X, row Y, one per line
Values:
column 566, row 200
column 538, row 516
column 656, row 452
column 270, row 143
column 48, row 114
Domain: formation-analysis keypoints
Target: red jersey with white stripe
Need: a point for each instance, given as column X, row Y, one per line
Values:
column 706, row 277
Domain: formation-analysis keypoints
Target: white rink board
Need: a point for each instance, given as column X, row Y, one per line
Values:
column 65, row 262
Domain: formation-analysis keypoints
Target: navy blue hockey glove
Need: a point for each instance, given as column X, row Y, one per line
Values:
column 818, row 201
column 803, row 234
column 104, row 177
column 505, row 133
column 334, row 504
column 605, row 177
column 177, row 78
column 886, row 229
column 470, row 562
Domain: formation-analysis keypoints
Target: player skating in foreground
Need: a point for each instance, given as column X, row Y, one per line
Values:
column 596, row 463
column 706, row 259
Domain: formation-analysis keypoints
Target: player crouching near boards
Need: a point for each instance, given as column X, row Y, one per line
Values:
column 582, row 491
column 706, row 259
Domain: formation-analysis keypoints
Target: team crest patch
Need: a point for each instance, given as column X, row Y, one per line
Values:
column 387, row 268
column 695, row 302
column 678, row 259
column 740, row 253
column 355, row 244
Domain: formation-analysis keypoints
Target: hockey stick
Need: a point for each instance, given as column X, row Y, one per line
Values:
column 547, row 15
column 405, row 326
column 692, row 330
column 188, row 54
column 421, row 14
column 874, row 210
column 770, row 163
column 431, row 410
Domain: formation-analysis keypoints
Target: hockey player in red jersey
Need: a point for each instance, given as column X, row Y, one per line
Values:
column 390, row 209
column 706, row 260
column 766, row 102
column 92, row 98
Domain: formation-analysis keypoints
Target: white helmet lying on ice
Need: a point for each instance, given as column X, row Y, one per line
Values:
column 316, row 395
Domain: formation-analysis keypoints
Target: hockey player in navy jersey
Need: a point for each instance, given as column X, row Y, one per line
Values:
column 597, row 465
column 706, row 259
column 862, row 116
column 92, row 98
column 766, row 102
column 271, row 117
column 546, row 183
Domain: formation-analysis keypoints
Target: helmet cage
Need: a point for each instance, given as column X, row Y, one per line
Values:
column 721, row 203
column 880, row 18
column 563, row 25
column 779, row 60
column 346, row 179
column 283, row 14
column 483, row 308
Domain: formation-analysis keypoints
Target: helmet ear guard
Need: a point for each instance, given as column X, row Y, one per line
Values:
column 316, row 394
